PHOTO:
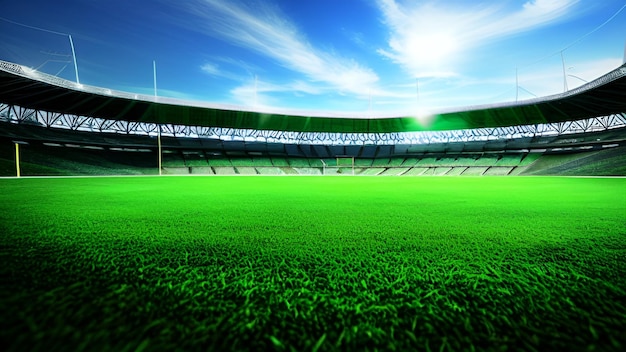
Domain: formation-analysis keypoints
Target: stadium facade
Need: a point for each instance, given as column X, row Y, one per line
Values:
column 39, row 108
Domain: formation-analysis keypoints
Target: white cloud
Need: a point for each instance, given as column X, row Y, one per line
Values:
column 262, row 94
column 426, row 38
column 264, row 29
column 224, row 71
column 304, row 88
column 258, row 93
column 211, row 69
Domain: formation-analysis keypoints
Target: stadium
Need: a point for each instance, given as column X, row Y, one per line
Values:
column 579, row 132
column 139, row 222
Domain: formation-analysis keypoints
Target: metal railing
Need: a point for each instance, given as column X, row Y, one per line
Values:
column 20, row 115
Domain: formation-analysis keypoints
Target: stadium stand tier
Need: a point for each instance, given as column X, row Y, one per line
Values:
column 50, row 153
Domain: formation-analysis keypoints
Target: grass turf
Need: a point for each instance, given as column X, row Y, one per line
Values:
column 313, row 263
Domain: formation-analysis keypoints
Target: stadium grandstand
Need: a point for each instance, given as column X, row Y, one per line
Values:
column 60, row 127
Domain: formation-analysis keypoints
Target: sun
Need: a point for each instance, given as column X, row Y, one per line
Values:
column 430, row 50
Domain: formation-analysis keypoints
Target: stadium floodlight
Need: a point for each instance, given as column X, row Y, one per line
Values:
column 565, row 88
column 158, row 125
column 74, row 58
column 154, row 77
column 52, row 32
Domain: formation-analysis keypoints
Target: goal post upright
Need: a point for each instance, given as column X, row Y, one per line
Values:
column 17, row 160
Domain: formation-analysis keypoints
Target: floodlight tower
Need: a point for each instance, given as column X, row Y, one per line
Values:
column 74, row 58
column 52, row 32
column 565, row 89
column 158, row 124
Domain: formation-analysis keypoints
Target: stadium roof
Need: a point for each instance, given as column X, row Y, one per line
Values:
column 35, row 90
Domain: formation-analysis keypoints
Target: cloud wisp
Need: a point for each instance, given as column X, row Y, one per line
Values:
column 426, row 38
column 262, row 28
column 224, row 67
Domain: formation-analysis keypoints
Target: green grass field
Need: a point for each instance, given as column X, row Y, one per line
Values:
column 313, row 263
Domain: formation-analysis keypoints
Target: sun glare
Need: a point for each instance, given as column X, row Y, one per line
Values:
column 424, row 117
column 431, row 49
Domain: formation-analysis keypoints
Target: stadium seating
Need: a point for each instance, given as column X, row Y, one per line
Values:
column 474, row 171
column 509, row 160
column 394, row 171
column 279, row 161
column 440, row 171
column 380, row 162
column 529, row 159
column 363, row 162
column 308, row 171
column 416, row 171
column 410, row 162
column 195, row 159
column 241, row 162
column 427, row 162
column 261, row 161
column 395, row 162
column 202, row 170
column 288, row 170
column 176, row 171
column 456, row 171
column 219, row 162
column 498, row 171
column 299, row 163
column 56, row 156
column 464, row 161
column 373, row 171
column 446, row 161
column 224, row 170
column 173, row 160
column 486, row 160
column 246, row 170
column 267, row 170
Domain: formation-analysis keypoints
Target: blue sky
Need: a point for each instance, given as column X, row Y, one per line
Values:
column 358, row 57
